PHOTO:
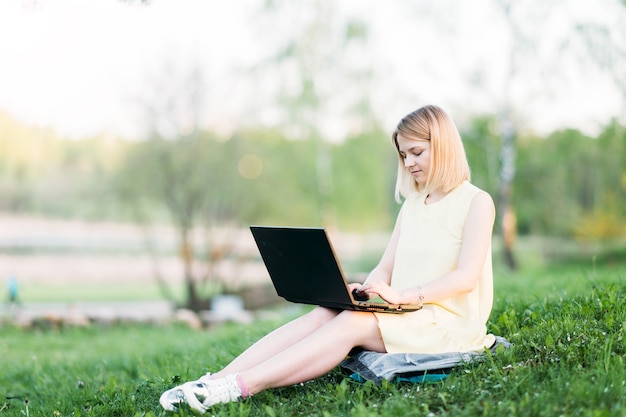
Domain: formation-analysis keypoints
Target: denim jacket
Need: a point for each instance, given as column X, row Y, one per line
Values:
column 410, row 367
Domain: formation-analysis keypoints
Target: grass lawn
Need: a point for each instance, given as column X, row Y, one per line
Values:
column 567, row 323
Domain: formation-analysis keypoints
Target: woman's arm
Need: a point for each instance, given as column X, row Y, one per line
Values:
column 477, row 236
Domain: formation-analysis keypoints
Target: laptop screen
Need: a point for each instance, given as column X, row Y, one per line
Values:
column 302, row 264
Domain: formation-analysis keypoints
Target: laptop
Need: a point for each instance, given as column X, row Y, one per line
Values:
column 304, row 269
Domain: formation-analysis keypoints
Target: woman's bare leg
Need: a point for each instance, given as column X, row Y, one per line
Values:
column 279, row 340
column 316, row 354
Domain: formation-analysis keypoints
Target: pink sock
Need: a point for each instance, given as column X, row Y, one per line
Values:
column 242, row 386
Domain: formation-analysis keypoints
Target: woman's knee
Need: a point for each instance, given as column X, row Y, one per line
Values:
column 363, row 328
column 357, row 318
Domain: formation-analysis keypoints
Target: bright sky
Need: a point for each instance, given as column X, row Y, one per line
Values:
column 83, row 67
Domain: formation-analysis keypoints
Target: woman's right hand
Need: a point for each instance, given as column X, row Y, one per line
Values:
column 359, row 296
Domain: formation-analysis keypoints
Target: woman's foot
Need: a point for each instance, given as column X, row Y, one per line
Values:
column 202, row 394
column 171, row 398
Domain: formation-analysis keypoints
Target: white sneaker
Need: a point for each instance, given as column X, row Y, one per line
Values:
column 173, row 397
column 202, row 394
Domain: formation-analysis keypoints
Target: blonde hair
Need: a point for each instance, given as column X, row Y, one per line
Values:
column 448, row 163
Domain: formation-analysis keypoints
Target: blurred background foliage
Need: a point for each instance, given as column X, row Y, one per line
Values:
column 567, row 184
column 311, row 146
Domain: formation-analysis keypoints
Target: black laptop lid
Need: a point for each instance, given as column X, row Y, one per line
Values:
column 302, row 265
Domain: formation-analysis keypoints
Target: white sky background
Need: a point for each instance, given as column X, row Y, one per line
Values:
column 84, row 67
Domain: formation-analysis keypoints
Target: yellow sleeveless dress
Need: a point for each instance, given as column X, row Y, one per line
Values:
column 429, row 246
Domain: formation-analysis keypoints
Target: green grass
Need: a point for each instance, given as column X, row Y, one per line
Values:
column 567, row 323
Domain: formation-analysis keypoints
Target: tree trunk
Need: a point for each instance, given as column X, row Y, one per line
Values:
column 186, row 253
column 507, row 174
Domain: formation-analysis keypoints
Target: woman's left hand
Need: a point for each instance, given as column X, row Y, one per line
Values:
column 384, row 291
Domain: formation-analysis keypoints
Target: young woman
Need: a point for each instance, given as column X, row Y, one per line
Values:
column 439, row 255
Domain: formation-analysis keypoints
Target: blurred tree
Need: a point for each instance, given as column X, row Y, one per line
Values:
column 284, row 192
column 313, row 60
column 570, row 184
column 26, row 155
column 41, row 173
column 607, row 48
column 188, row 174
column 534, row 62
column 604, row 217
column 364, row 169
column 555, row 181
column 191, row 178
column 523, row 41
column 481, row 138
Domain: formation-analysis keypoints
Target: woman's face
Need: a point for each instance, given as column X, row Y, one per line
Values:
column 416, row 156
